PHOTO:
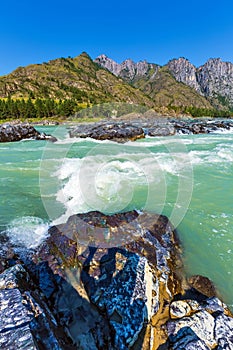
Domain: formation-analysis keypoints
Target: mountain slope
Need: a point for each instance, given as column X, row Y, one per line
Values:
column 214, row 79
column 157, row 82
column 63, row 78
column 178, row 84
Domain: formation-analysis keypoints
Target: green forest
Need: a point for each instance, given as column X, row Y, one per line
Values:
column 49, row 108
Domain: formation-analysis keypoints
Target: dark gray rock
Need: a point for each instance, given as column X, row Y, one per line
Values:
column 202, row 126
column 24, row 322
column 16, row 132
column 120, row 132
column 161, row 130
column 130, row 283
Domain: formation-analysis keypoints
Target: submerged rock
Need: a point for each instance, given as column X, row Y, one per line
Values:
column 16, row 132
column 203, row 285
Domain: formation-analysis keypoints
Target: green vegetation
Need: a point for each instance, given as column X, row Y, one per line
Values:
column 78, row 79
column 37, row 109
column 201, row 112
column 166, row 91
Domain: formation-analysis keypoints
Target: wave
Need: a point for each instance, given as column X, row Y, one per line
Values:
column 115, row 182
column 27, row 231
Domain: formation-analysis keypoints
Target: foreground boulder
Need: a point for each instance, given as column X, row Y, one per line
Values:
column 16, row 132
column 25, row 320
column 111, row 282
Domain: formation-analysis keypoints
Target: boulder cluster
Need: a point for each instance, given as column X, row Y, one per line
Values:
column 108, row 282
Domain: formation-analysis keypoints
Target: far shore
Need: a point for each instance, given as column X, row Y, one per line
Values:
column 129, row 118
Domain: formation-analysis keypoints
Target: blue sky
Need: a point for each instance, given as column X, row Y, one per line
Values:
column 153, row 30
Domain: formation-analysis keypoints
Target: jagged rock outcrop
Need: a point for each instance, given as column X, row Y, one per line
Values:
column 127, row 70
column 16, row 132
column 129, row 265
column 161, row 84
column 106, row 62
column 213, row 80
column 185, row 72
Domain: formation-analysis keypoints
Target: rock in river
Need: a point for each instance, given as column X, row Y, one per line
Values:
column 16, row 132
column 119, row 132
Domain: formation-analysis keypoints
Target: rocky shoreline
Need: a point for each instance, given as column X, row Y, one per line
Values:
column 131, row 130
column 108, row 282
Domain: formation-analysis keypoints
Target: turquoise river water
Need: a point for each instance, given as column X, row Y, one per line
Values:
column 188, row 178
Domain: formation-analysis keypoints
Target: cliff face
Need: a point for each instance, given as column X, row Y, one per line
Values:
column 161, row 84
column 127, row 70
column 213, row 80
column 185, row 72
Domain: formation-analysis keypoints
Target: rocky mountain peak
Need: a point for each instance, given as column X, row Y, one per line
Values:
column 128, row 69
column 215, row 78
column 109, row 64
column 184, row 72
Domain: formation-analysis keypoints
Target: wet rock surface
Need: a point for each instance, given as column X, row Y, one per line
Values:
column 206, row 326
column 109, row 282
column 25, row 320
column 202, row 126
column 123, row 131
column 120, row 132
column 16, row 132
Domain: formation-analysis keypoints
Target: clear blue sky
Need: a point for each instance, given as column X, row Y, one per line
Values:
column 33, row 32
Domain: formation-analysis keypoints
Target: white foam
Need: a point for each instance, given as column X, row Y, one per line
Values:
column 108, row 182
column 27, row 231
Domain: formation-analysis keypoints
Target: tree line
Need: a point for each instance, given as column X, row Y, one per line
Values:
column 47, row 108
column 202, row 112
column 38, row 108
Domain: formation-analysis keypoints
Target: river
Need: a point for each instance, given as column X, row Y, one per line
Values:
column 189, row 178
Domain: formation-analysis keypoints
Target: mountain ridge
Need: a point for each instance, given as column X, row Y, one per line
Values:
column 176, row 86
column 212, row 80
